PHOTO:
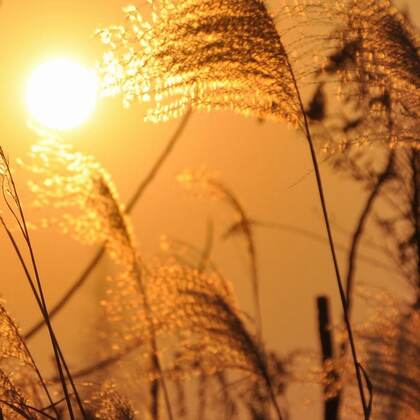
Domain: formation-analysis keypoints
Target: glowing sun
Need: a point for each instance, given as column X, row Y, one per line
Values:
column 61, row 94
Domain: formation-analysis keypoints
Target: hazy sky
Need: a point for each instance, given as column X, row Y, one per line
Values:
column 266, row 165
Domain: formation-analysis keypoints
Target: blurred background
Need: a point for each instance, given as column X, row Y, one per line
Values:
column 267, row 166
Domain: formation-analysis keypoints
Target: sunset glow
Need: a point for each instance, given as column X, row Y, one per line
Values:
column 61, row 94
column 210, row 209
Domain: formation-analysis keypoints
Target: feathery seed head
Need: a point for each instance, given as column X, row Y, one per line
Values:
column 19, row 384
column 208, row 54
column 107, row 404
column 378, row 66
column 84, row 195
column 391, row 349
column 11, row 344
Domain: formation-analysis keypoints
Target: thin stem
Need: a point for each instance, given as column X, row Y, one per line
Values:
column 159, row 162
column 308, row 136
column 43, row 305
column 273, row 397
column 67, row 295
column 208, row 246
column 156, row 364
column 358, row 232
column 102, row 364
column 356, row 239
column 245, row 225
column 101, row 252
column 43, row 311
column 28, row 407
column 321, row 238
column 276, row 405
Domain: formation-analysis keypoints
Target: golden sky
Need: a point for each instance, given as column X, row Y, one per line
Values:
column 267, row 165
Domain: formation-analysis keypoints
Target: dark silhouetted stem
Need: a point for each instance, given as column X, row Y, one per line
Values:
column 356, row 239
column 358, row 232
column 340, row 286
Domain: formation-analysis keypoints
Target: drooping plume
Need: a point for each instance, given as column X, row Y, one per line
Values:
column 21, row 385
column 377, row 63
column 210, row 55
column 83, row 192
column 208, row 184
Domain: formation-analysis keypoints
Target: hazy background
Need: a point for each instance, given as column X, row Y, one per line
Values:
column 266, row 165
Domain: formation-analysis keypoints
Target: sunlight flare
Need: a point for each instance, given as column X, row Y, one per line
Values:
column 61, row 94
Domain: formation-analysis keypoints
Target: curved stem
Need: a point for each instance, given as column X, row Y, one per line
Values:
column 355, row 242
column 245, row 225
column 67, row 295
column 358, row 232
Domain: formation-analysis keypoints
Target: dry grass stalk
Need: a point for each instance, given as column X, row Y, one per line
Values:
column 203, row 182
column 31, row 272
column 195, row 47
column 73, row 181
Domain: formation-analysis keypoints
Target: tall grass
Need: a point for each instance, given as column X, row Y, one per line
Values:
column 173, row 319
column 223, row 55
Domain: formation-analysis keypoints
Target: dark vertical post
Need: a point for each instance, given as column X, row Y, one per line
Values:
column 331, row 404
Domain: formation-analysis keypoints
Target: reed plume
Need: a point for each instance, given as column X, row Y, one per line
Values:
column 389, row 349
column 12, row 402
column 22, row 386
column 213, row 383
column 202, row 312
column 203, row 182
column 188, row 41
column 376, row 64
column 73, row 181
column 379, row 48
column 392, row 353
column 175, row 300
column 107, row 404
column 81, row 190
column 210, row 54
column 142, row 187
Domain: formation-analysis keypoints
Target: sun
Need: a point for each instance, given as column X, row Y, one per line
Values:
column 61, row 94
